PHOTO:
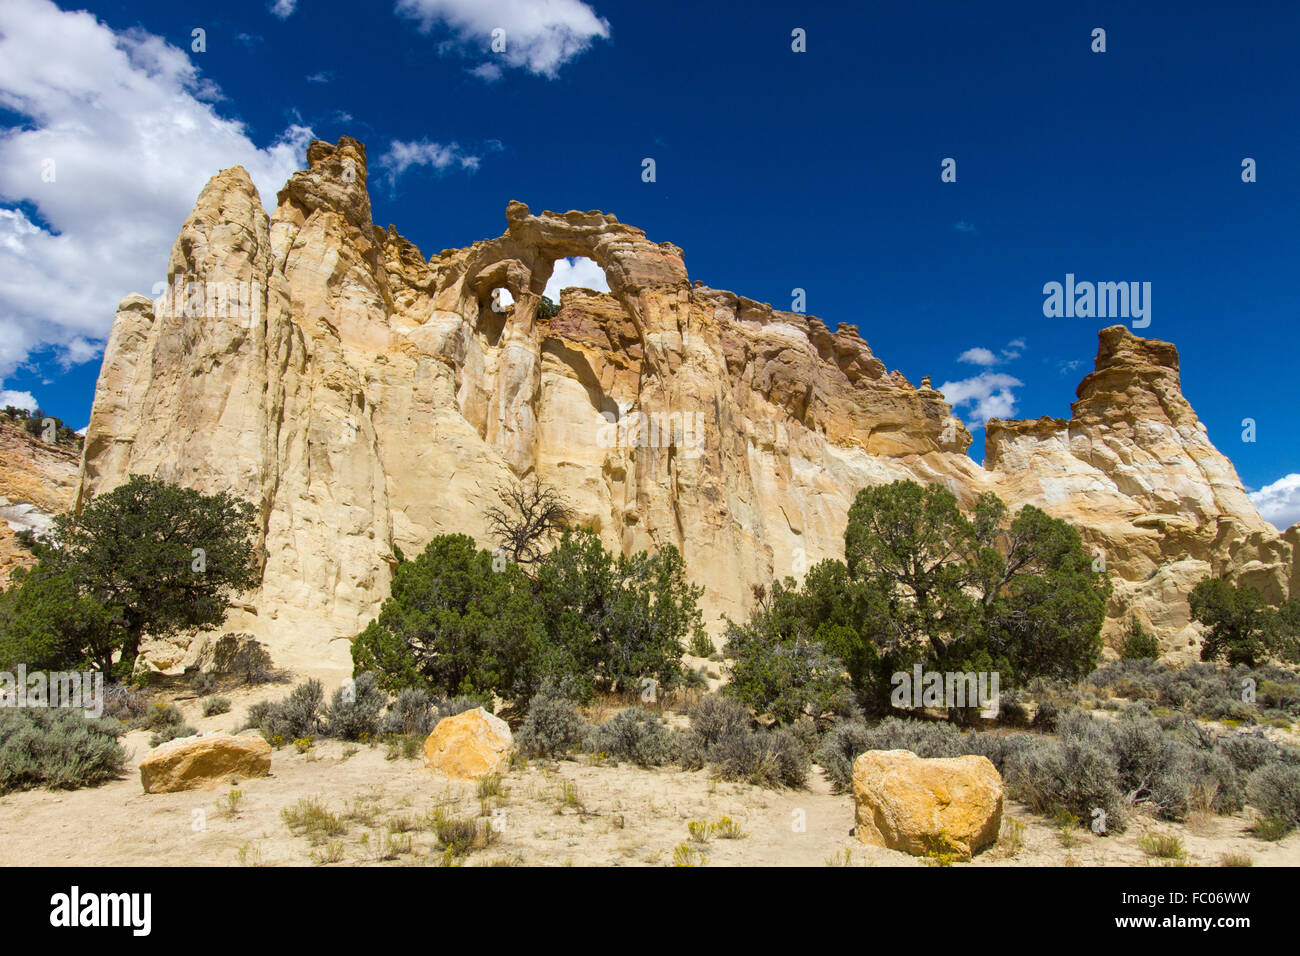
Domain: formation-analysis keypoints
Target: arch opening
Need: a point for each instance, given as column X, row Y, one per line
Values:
column 494, row 308
column 574, row 272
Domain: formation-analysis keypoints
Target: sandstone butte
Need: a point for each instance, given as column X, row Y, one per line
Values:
column 373, row 398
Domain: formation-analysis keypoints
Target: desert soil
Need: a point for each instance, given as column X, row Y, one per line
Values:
column 570, row 812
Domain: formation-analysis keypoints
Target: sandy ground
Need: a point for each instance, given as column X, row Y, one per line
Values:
column 570, row 812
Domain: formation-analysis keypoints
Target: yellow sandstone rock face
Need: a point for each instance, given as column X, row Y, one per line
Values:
column 190, row 762
column 917, row 805
column 367, row 398
column 469, row 745
column 38, row 479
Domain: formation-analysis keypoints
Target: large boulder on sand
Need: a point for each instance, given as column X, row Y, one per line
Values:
column 469, row 745
column 189, row 762
column 916, row 805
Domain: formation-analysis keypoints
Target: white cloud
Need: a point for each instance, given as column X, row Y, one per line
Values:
column 402, row 156
column 578, row 271
column 123, row 124
column 987, row 395
column 978, row 356
column 539, row 37
column 987, row 358
column 18, row 400
column 284, row 8
column 489, row 72
column 1279, row 502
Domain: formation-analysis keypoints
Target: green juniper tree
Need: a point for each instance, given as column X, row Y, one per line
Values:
column 154, row 557
column 458, row 621
column 922, row 582
column 1241, row 626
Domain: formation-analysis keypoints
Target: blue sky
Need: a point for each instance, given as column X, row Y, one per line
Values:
column 775, row 169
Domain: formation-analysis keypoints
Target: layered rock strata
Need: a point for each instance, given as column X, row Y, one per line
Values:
column 367, row 398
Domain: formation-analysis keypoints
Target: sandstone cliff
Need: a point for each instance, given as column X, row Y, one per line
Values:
column 365, row 397
column 37, row 480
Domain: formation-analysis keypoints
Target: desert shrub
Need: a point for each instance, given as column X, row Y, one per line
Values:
column 694, row 679
column 1077, row 773
column 806, row 731
column 124, row 703
column 1164, row 846
column 1154, row 767
column 840, row 747
column 1135, row 678
column 634, row 735
column 250, row 663
column 170, row 732
column 1000, row 749
column 216, row 705
column 204, row 683
column 724, row 737
column 700, row 645
column 1270, row 828
column 1013, row 711
column 412, row 713
column 357, row 717
column 455, row 836
column 1283, row 694
column 57, row 748
column 1138, row 642
column 158, row 716
column 923, row 737
column 295, row 717
column 776, row 671
column 1274, row 790
column 765, row 758
column 713, row 717
column 1046, row 715
column 1201, row 688
column 553, row 725
column 1114, row 765
column 258, row 714
column 1249, row 751
column 1216, row 783
column 460, row 704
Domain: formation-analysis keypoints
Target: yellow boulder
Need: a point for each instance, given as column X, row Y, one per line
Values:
column 469, row 745
column 916, row 805
column 189, row 762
